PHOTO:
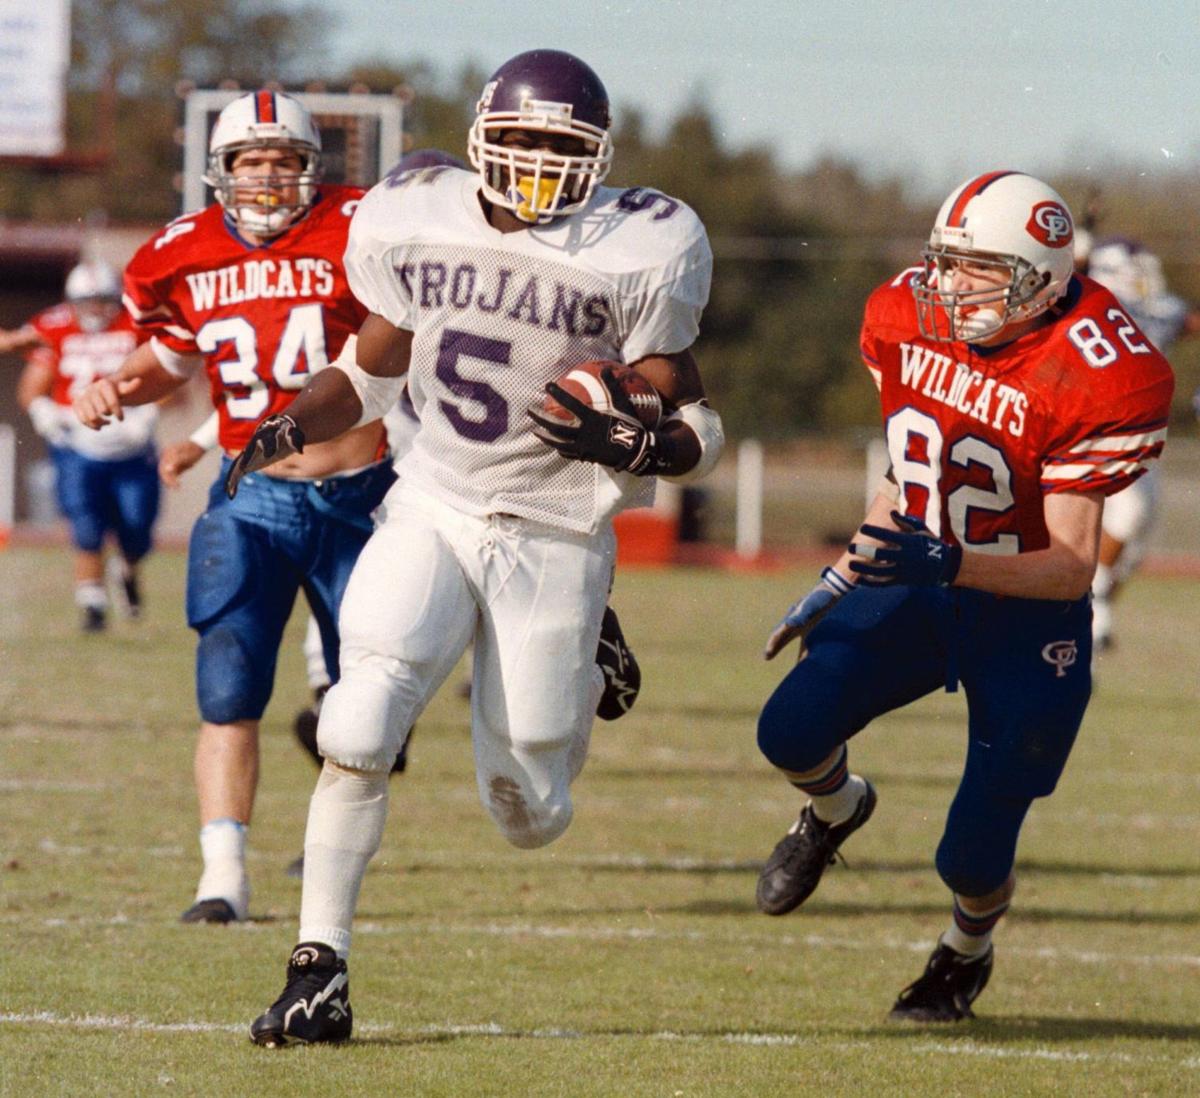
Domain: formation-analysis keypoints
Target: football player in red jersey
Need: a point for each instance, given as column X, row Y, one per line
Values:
column 104, row 483
column 1015, row 398
column 253, row 291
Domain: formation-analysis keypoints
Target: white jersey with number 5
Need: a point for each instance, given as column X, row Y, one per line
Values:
column 496, row 316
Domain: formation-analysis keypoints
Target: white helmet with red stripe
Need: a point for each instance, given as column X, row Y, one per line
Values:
column 1003, row 220
column 264, row 120
column 94, row 289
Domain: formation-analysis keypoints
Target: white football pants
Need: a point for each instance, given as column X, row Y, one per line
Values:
column 1129, row 517
column 532, row 596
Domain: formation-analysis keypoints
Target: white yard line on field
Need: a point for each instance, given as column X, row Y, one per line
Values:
column 967, row 1047
column 816, row 941
column 39, row 785
column 735, row 940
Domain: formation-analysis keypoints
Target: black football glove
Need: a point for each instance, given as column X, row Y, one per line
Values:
column 910, row 555
column 616, row 439
column 274, row 439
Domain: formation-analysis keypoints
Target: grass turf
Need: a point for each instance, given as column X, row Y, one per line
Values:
column 625, row 959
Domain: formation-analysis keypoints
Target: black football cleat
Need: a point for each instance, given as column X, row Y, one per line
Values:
column 305, row 725
column 125, row 588
column 795, row 866
column 622, row 676
column 131, row 600
column 210, row 911
column 93, row 620
column 946, row 989
column 315, row 1005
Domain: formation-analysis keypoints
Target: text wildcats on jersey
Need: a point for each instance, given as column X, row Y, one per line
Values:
column 261, row 278
column 958, row 386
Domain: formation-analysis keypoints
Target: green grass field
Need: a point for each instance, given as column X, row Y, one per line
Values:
column 627, row 958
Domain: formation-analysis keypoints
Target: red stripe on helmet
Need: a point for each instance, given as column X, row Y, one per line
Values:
column 975, row 187
column 264, row 106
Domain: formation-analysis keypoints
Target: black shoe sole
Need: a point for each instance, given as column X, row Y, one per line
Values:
column 215, row 912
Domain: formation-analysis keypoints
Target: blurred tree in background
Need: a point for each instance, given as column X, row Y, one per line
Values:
column 797, row 252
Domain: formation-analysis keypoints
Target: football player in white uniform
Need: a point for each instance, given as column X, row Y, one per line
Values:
column 483, row 288
column 1135, row 276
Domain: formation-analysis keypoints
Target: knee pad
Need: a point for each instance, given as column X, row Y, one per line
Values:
column 87, row 532
column 979, row 845
column 791, row 736
column 524, row 819
column 230, row 686
column 366, row 716
column 135, row 541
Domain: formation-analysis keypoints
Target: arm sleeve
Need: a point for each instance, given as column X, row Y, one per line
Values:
column 374, row 268
column 1114, row 436
column 149, row 299
column 668, row 302
column 868, row 348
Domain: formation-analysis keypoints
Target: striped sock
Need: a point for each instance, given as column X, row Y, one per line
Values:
column 970, row 934
column 835, row 793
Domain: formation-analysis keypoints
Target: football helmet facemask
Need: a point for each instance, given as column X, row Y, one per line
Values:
column 1006, row 221
column 541, row 92
column 264, row 205
column 94, row 289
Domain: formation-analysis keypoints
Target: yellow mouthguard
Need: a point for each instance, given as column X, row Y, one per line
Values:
column 536, row 203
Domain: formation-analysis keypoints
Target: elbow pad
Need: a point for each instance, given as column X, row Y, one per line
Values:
column 378, row 395
column 706, row 425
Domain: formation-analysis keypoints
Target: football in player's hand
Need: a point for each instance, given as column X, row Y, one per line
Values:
column 584, row 383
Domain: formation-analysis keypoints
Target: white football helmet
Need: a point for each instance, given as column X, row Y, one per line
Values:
column 94, row 289
column 264, row 119
column 1123, row 266
column 543, row 91
column 1008, row 221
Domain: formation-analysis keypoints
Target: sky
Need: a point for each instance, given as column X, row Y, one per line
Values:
column 932, row 92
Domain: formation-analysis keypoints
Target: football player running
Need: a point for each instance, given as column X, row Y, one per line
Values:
column 252, row 290
column 483, row 288
column 1015, row 398
column 105, row 484
column 1134, row 274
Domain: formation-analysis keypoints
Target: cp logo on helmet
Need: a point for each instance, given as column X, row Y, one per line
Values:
column 1050, row 224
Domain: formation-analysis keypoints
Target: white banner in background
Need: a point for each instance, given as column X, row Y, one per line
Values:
column 35, row 41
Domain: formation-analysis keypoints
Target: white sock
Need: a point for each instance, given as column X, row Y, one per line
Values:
column 836, row 808
column 223, row 846
column 90, row 595
column 1102, row 581
column 345, row 827
column 969, row 945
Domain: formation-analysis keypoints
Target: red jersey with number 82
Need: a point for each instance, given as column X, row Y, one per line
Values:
column 979, row 436
column 263, row 317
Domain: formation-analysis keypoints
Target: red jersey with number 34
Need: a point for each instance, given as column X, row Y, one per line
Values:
column 979, row 436
column 264, row 317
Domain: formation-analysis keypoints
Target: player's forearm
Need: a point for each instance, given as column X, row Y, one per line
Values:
column 1059, row 572
column 326, row 407
column 155, row 384
column 150, row 380
column 1063, row 570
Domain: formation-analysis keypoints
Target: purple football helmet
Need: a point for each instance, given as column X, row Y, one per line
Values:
column 425, row 158
column 541, row 92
